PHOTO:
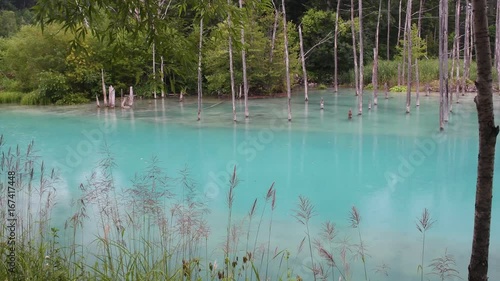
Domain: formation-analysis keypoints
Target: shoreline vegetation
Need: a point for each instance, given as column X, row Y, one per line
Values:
column 156, row 229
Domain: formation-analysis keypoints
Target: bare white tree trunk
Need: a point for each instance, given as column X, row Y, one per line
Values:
column 456, row 54
column 375, row 57
column 417, row 70
column 444, row 17
column 400, row 65
column 154, row 71
column 410, row 55
column 335, row 51
column 131, row 97
column 399, row 21
column 162, row 74
column 231, row 67
column 97, row 101
column 287, row 63
column 467, row 41
column 104, row 88
column 361, row 61
column 443, row 61
column 275, row 26
column 388, row 28
column 354, row 50
column 200, row 88
column 111, row 96
column 304, row 71
column 244, row 63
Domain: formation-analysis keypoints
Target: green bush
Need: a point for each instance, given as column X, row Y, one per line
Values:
column 398, row 89
column 322, row 87
column 53, row 86
column 34, row 98
column 72, row 99
column 10, row 97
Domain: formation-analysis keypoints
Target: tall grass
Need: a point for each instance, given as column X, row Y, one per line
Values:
column 428, row 72
column 423, row 224
column 155, row 228
column 10, row 97
column 303, row 214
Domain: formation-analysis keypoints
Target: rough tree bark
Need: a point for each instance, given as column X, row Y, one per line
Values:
column 497, row 44
column 287, row 64
column 478, row 266
column 244, row 66
column 304, row 71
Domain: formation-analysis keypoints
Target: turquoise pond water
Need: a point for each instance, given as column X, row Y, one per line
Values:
column 388, row 164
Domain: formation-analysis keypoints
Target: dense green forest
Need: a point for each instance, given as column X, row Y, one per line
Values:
column 53, row 51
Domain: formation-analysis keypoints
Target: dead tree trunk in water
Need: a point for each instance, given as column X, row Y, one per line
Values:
column 456, row 55
column 287, row 64
column 162, row 74
column 200, row 88
column 154, row 71
column 443, row 61
column 275, row 26
column 354, row 50
column 244, row 66
column 417, row 70
column 335, row 51
column 388, row 28
column 410, row 55
column 231, row 67
column 467, row 36
column 478, row 266
column 361, row 61
column 304, row 71
column 375, row 57
column 104, row 88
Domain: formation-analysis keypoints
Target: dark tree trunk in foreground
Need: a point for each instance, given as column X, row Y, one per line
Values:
column 478, row 267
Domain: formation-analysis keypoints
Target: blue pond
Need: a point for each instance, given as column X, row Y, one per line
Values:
column 388, row 164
